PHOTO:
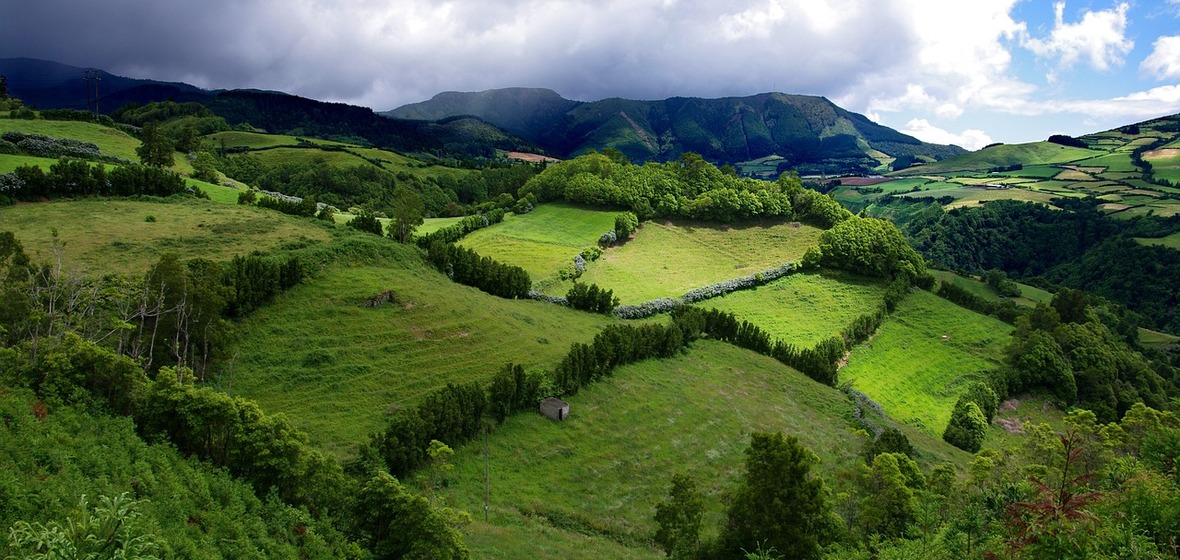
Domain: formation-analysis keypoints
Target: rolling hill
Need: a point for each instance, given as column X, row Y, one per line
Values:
column 808, row 132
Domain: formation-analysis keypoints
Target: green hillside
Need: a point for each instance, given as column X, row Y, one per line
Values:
column 923, row 357
column 585, row 487
column 338, row 383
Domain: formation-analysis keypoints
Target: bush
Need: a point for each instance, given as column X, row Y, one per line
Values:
column 247, row 196
column 626, row 224
column 967, row 426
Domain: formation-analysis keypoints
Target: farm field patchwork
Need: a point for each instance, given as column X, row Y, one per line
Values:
column 543, row 240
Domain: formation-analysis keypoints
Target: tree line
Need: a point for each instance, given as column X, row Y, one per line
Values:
column 76, row 178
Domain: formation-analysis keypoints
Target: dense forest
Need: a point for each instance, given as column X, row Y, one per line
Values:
column 1077, row 248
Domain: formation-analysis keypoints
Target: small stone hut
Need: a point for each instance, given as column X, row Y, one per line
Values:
column 555, row 408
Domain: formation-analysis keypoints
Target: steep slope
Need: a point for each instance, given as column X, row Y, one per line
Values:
column 809, row 132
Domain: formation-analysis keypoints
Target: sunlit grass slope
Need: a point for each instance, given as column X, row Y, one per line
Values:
column 543, row 240
column 666, row 259
column 923, row 357
column 804, row 308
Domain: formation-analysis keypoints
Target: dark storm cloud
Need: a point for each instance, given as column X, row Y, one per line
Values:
column 384, row 54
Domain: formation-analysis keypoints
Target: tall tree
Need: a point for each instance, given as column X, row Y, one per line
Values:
column 408, row 211
column 781, row 505
column 679, row 518
column 155, row 150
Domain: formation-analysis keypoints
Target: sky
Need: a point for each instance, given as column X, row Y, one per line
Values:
column 965, row 72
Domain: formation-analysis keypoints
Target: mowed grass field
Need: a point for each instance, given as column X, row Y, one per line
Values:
column 669, row 258
column 543, row 240
column 125, row 237
column 922, row 358
column 585, row 488
column 336, row 367
column 804, row 308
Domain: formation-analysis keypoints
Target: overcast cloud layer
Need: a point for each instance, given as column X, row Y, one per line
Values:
column 951, row 72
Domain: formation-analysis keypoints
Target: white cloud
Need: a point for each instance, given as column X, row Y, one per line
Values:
column 971, row 139
column 1100, row 38
column 1164, row 61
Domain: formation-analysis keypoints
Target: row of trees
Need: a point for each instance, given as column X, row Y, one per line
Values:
column 467, row 267
column 75, row 178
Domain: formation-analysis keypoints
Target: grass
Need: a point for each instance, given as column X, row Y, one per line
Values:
column 543, row 240
column 804, row 308
column 115, row 236
column 1172, row 241
column 573, row 489
column 336, row 367
column 109, row 141
column 666, row 259
column 923, row 356
column 1030, row 296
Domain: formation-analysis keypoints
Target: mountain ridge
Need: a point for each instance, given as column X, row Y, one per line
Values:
column 804, row 130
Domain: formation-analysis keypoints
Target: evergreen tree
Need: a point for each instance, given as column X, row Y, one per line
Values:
column 155, row 150
column 780, row 504
column 679, row 518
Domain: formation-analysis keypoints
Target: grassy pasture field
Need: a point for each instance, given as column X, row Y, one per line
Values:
column 336, row 367
column 115, row 235
column 804, row 308
column 1030, row 296
column 586, row 486
column 923, row 356
column 543, row 240
column 668, row 258
column 109, row 141
column 1172, row 241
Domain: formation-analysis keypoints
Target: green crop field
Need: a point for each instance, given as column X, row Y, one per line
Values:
column 337, row 367
column 923, row 356
column 666, row 259
column 543, row 240
column 118, row 236
column 586, row 486
column 804, row 308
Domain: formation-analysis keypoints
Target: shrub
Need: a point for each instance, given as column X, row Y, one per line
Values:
column 967, row 426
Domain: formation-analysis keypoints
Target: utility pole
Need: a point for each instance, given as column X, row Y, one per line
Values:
column 86, row 78
column 91, row 75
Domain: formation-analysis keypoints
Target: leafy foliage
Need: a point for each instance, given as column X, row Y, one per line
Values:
column 967, row 426
column 679, row 518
